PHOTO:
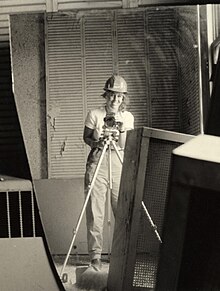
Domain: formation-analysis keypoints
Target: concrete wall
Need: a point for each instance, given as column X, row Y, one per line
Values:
column 28, row 72
column 60, row 202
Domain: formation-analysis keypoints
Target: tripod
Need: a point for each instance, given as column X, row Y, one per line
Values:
column 109, row 143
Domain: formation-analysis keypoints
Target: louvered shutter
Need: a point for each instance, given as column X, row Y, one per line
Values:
column 77, row 73
column 98, row 56
column 114, row 42
column 65, row 103
column 132, row 62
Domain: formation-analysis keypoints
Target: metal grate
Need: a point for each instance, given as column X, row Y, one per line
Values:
column 17, row 208
column 65, row 106
column 157, row 173
column 145, row 271
column 163, row 74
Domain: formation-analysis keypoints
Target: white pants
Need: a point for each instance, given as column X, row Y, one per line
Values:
column 95, row 211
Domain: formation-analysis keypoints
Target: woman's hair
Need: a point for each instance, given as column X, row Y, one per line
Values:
column 124, row 103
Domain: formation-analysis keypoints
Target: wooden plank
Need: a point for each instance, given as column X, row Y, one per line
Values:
column 166, row 135
column 130, row 3
column 20, row 9
column 89, row 5
column 16, row 6
column 52, row 5
column 129, row 204
column 171, row 2
column 11, row 3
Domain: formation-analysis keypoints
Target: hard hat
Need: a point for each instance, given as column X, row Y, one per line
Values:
column 116, row 83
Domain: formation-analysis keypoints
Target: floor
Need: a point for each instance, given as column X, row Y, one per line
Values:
column 78, row 275
column 81, row 277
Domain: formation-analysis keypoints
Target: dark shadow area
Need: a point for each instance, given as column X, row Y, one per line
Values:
column 13, row 159
column 200, row 260
column 213, row 122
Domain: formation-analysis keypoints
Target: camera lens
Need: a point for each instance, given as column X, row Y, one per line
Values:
column 110, row 121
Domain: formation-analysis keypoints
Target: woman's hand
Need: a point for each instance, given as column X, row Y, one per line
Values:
column 120, row 126
column 98, row 144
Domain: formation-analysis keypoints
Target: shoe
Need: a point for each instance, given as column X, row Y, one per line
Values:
column 96, row 264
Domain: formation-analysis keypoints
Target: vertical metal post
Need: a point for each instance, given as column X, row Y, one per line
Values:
column 200, row 71
column 33, row 214
column 20, row 213
column 8, row 215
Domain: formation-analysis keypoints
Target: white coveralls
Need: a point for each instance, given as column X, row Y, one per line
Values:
column 95, row 211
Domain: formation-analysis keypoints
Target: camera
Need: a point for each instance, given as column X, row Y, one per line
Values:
column 110, row 121
column 111, row 127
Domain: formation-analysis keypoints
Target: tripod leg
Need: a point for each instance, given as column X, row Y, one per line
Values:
column 109, row 199
column 112, row 142
column 84, row 208
column 117, row 151
column 151, row 222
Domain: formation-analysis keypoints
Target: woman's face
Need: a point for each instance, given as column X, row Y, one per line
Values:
column 114, row 100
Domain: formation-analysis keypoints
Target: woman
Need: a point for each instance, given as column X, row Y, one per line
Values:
column 116, row 100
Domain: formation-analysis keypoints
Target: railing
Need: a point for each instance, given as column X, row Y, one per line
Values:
column 17, row 208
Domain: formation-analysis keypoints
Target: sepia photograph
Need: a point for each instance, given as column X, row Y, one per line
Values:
column 109, row 145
